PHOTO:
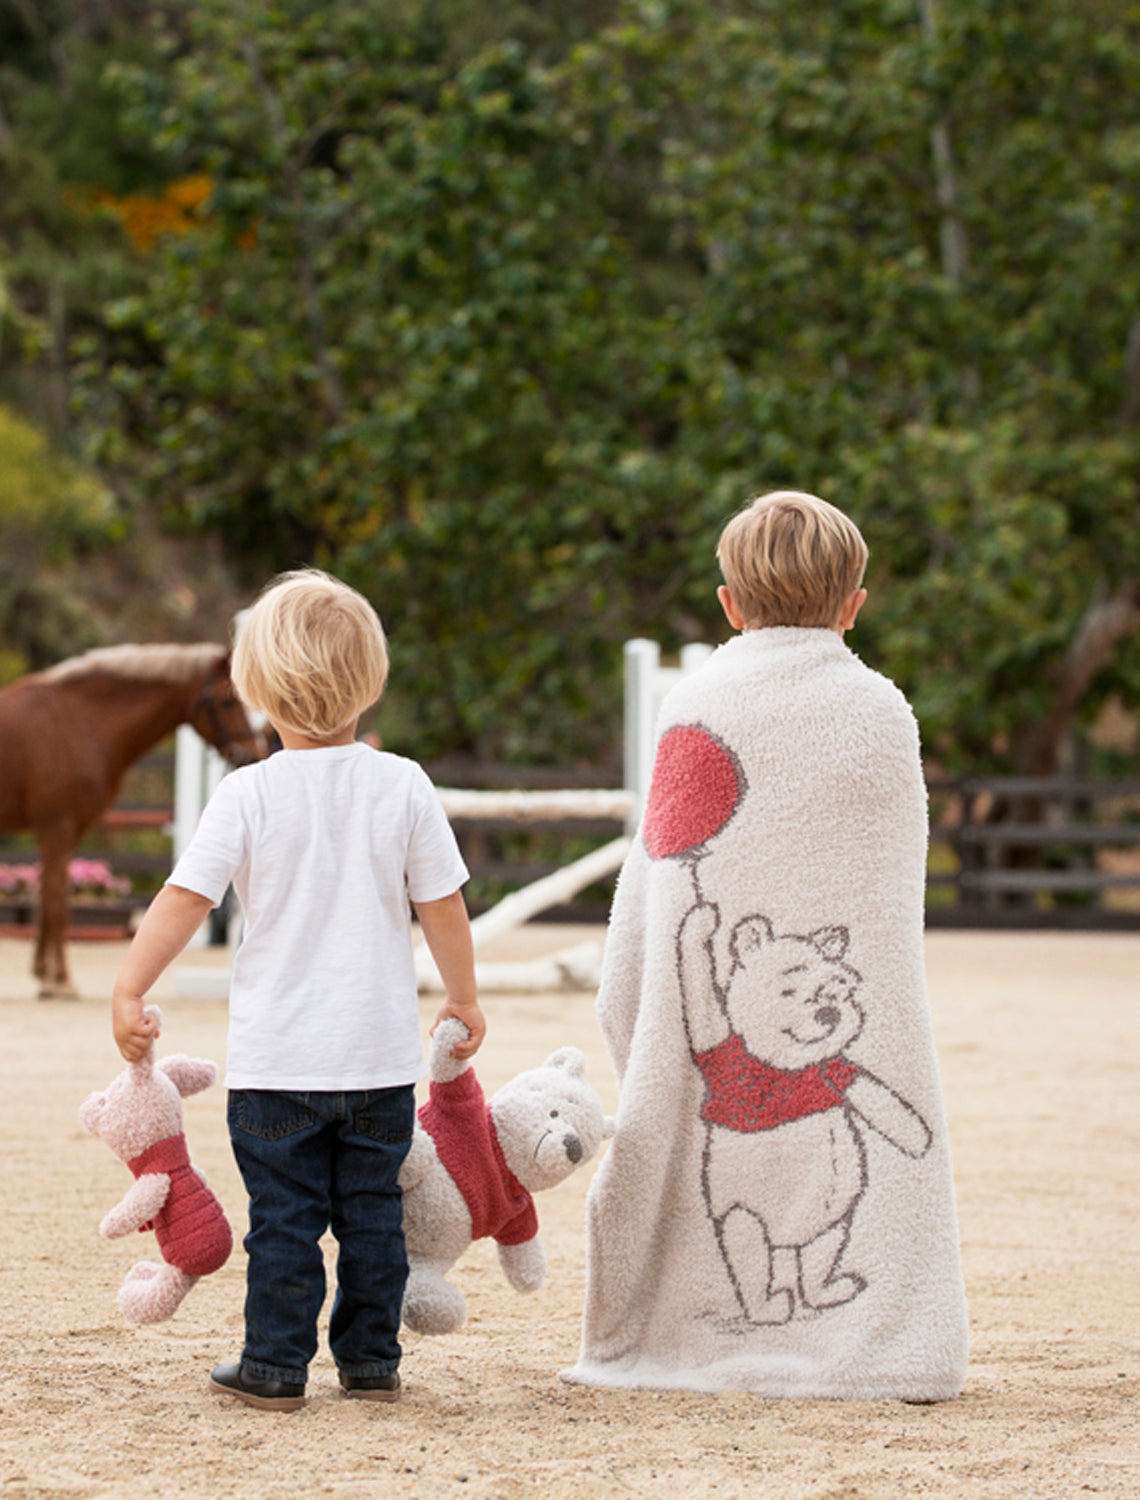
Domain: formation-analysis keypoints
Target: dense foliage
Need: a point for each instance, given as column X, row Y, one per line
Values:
column 60, row 261
column 51, row 513
column 501, row 313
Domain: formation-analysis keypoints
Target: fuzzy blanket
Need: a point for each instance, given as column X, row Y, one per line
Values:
column 776, row 1212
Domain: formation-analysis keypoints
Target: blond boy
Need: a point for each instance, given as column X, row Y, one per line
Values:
column 791, row 559
column 776, row 1212
column 325, row 843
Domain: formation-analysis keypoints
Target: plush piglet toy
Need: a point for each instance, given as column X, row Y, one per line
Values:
column 474, row 1166
column 140, row 1117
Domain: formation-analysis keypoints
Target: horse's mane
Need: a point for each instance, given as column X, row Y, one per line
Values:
column 165, row 663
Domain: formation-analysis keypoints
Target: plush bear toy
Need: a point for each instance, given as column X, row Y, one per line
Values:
column 473, row 1167
column 140, row 1117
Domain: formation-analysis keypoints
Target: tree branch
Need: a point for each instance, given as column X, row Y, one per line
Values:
column 1107, row 622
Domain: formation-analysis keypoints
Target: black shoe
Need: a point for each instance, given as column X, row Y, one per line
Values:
column 269, row 1395
column 370, row 1387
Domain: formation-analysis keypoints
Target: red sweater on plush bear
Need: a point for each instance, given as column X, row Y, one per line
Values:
column 458, row 1119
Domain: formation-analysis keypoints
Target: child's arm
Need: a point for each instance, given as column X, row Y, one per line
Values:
column 448, row 935
column 171, row 920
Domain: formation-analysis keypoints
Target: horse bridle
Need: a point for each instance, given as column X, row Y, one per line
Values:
column 207, row 700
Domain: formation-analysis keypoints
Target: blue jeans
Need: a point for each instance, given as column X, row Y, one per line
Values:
column 311, row 1160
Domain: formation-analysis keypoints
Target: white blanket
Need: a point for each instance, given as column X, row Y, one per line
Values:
column 776, row 1212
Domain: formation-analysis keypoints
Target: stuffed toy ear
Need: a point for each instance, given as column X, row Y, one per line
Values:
column 569, row 1058
column 190, row 1075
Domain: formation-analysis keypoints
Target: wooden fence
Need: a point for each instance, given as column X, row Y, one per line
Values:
column 1005, row 851
column 1050, row 851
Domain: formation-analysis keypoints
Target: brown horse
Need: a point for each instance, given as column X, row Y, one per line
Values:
column 67, row 738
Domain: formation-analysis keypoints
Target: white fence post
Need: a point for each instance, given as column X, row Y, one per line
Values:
column 189, row 770
column 642, row 660
column 198, row 768
column 694, row 655
column 646, row 683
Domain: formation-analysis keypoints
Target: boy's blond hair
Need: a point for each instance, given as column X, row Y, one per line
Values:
column 311, row 654
column 790, row 558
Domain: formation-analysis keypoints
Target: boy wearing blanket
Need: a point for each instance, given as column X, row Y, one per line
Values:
column 776, row 1212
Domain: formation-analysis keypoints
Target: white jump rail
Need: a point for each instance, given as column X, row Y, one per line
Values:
column 536, row 807
column 577, row 967
column 570, row 968
column 198, row 768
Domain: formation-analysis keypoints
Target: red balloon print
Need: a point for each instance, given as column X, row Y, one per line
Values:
column 697, row 782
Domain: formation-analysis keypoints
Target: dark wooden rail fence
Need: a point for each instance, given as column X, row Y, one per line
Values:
column 1006, row 852
column 1014, row 852
column 1048, row 851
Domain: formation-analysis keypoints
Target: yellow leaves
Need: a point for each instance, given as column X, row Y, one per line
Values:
column 189, row 193
column 177, row 210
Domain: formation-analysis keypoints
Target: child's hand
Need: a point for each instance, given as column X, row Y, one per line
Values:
column 135, row 1030
column 472, row 1018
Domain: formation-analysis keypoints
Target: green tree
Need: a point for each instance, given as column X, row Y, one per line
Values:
column 59, row 262
column 506, row 334
column 51, row 515
column 920, row 297
column 409, row 340
column 62, row 140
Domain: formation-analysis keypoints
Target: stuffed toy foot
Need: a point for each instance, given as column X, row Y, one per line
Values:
column 431, row 1303
column 151, row 1292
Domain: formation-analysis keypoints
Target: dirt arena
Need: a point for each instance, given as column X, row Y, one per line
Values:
column 1040, row 1046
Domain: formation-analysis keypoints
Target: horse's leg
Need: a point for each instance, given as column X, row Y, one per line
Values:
column 57, row 844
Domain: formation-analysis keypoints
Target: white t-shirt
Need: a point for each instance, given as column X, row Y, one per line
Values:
column 324, row 848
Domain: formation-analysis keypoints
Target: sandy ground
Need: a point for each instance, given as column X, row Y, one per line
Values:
column 1040, row 1046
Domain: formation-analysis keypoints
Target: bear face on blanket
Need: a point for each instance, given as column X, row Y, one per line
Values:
column 791, row 999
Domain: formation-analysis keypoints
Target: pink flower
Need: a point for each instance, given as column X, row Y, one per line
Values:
column 19, row 880
column 92, row 877
column 95, row 877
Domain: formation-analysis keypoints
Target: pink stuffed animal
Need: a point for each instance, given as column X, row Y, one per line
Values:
column 140, row 1117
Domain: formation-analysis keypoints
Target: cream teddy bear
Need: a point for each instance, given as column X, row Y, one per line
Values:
column 140, row 1117
column 473, row 1167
